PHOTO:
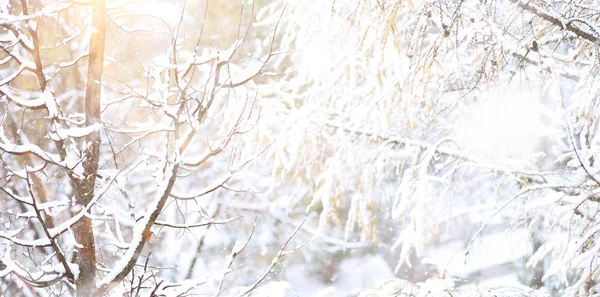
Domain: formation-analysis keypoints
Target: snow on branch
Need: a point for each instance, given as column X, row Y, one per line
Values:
column 52, row 233
column 36, row 279
column 436, row 149
column 567, row 24
column 29, row 148
column 282, row 253
column 211, row 188
column 11, row 236
column 195, row 225
column 141, row 234
column 75, row 132
column 55, row 245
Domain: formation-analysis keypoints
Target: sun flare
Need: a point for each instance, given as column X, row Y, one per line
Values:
column 506, row 125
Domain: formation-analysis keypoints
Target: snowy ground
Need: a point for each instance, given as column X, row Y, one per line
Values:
column 486, row 259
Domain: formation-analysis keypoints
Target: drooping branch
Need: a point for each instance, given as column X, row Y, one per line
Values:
column 457, row 154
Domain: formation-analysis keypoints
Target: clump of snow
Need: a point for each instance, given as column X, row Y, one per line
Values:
column 75, row 132
column 50, row 103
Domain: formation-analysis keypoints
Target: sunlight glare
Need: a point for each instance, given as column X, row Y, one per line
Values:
column 505, row 126
column 164, row 9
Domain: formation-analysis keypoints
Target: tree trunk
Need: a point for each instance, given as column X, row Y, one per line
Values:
column 84, row 233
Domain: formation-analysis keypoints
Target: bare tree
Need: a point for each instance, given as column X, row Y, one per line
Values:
column 96, row 146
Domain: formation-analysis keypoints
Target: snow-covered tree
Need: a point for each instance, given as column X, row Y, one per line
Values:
column 153, row 147
column 117, row 119
column 405, row 119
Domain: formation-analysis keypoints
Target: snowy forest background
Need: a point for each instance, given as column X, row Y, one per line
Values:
column 299, row 148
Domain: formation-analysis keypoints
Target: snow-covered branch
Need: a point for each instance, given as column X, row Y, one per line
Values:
column 590, row 33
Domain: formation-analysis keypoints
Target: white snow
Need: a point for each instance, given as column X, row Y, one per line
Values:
column 66, row 225
column 349, row 281
column 75, row 132
column 487, row 251
column 30, row 148
column 24, row 242
column 50, row 103
column 138, row 230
